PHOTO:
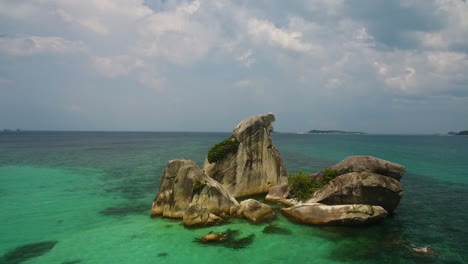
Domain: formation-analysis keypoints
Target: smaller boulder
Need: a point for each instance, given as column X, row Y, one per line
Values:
column 210, row 238
column 320, row 214
column 195, row 215
column 280, row 194
column 423, row 251
column 256, row 212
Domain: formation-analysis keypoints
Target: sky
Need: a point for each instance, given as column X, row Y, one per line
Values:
column 378, row 66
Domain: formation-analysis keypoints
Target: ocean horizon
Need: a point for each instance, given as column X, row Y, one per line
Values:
column 85, row 197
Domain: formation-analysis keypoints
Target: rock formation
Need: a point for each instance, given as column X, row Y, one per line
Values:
column 359, row 180
column 280, row 194
column 320, row 214
column 196, row 215
column 255, row 165
column 184, row 184
column 357, row 190
column 361, row 188
column 369, row 164
column 256, row 212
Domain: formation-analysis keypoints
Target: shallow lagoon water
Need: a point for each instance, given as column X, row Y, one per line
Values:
column 92, row 192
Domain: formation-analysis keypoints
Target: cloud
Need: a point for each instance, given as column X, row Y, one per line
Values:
column 33, row 45
column 152, row 80
column 100, row 16
column 263, row 30
column 17, row 9
column 293, row 57
column 247, row 59
column 116, row 66
column 91, row 23
column 181, row 35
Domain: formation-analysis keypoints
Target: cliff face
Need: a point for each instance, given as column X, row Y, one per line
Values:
column 361, row 188
column 256, row 165
column 183, row 184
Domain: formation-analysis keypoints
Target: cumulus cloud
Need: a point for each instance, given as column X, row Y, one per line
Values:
column 181, row 35
column 247, row 59
column 32, row 45
column 116, row 66
column 263, row 30
column 322, row 51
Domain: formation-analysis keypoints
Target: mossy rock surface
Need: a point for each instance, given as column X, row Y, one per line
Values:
column 303, row 186
column 219, row 151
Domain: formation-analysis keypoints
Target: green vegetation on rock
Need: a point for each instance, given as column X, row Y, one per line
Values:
column 303, row 186
column 219, row 151
column 198, row 186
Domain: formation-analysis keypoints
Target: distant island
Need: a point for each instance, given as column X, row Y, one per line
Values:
column 6, row 130
column 461, row 133
column 315, row 131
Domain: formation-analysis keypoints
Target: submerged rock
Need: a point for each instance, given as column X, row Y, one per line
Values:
column 254, row 164
column 423, row 251
column 183, row 184
column 273, row 229
column 361, row 188
column 28, row 251
column 320, row 214
column 256, row 212
column 227, row 239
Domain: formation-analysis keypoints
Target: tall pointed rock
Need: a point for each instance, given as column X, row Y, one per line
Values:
column 247, row 163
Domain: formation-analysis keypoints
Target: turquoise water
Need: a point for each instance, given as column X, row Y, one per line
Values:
column 90, row 194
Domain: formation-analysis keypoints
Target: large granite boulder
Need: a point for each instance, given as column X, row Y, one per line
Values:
column 359, row 180
column 320, row 214
column 183, row 183
column 361, row 188
column 254, row 165
column 369, row 164
column 256, row 212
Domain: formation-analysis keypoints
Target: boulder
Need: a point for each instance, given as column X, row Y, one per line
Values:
column 256, row 212
column 280, row 194
column 183, row 183
column 369, row 164
column 361, row 188
column 423, row 251
column 320, row 214
column 195, row 215
column 255, row 165
column 213, row 238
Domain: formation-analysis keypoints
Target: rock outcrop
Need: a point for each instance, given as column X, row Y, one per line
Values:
column 184, row 184
column 356, row 191
column 359, row 180
column 361, row 188
column 195, row 215
column 256, row 165
column 320, row 214
column 256, row 212
column 280, row 194
column 369, row 164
